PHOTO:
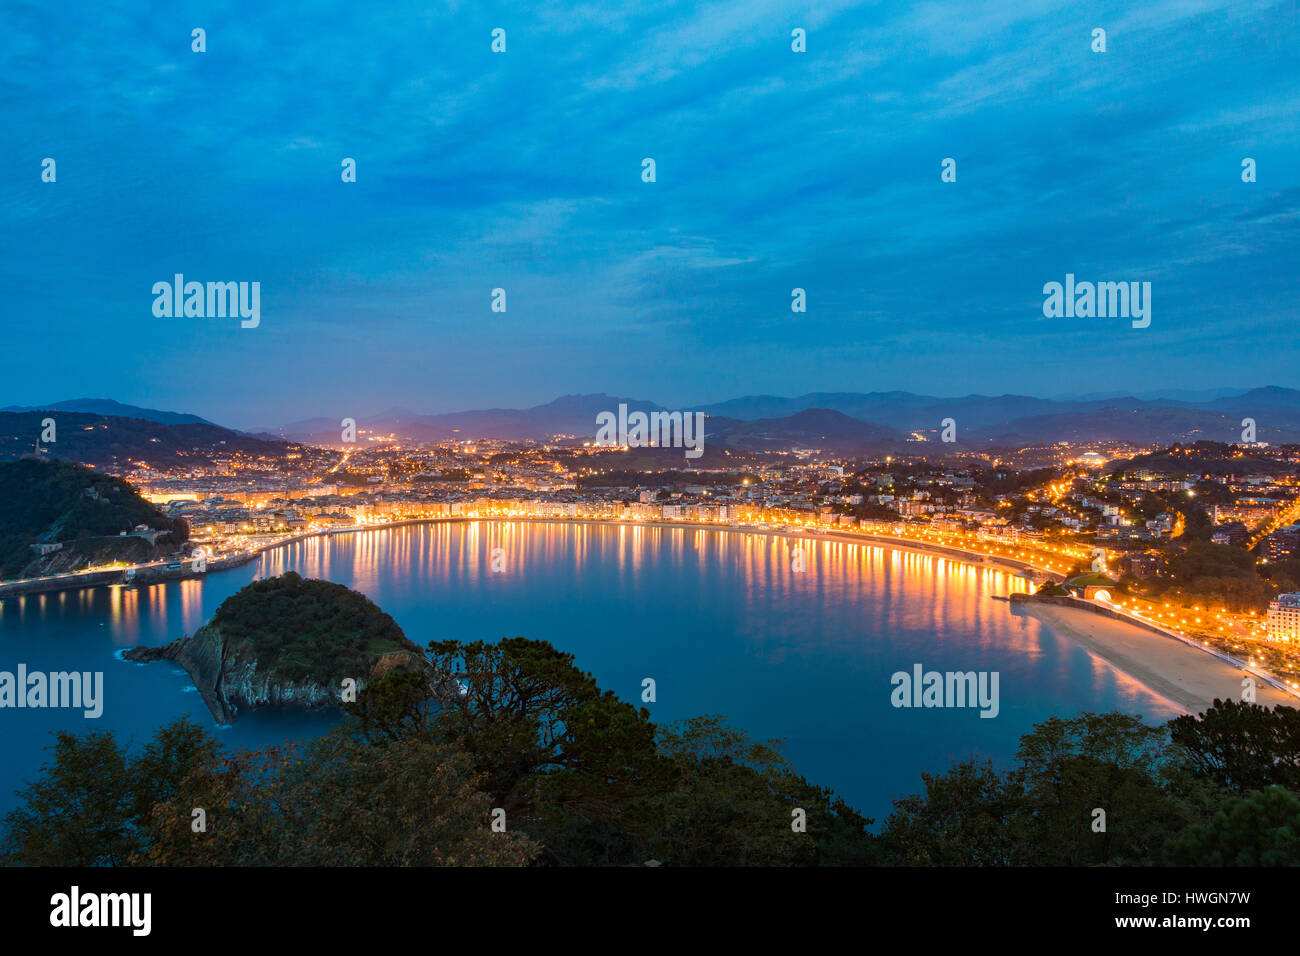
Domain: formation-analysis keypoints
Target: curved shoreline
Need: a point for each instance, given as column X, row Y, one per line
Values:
column 973, row 558
column 77, row 581
column 1149, row 663
column 1183, row 679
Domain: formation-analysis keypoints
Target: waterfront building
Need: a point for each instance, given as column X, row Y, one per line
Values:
column 1283, row 622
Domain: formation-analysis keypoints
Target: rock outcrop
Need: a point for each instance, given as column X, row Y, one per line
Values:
column 228, row 676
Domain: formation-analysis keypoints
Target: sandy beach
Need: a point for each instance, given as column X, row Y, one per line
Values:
column 1182, row 674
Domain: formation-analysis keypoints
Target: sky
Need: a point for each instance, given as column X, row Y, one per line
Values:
column 522, row 170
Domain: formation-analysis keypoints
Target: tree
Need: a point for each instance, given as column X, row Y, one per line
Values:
column 1041, row 812
column 423, row 763
column 1242, row 746
column 568, row 763
column 1068, row 769
column 594, row 781
column 341, row 802
column 523, row 707
column 299, row 628
column 89, row 805
column 1259, row 829
column 79, row 813
column 966, row 817
column 396, row 706
column 1285, row 574
column 175, row 751
column 733, row 801
column 1205, row 571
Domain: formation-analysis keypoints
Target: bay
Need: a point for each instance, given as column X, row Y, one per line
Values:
column 716, row 618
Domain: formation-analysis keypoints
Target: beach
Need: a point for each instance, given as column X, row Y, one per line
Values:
column 1188, row 677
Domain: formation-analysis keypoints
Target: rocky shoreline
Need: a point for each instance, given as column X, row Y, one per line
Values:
column 229, row 679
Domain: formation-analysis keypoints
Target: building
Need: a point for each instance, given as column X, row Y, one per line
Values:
column 1283, row 621
column 1282, row 544
column 1249, row 511
column 1140, row 564
column 1234, row 533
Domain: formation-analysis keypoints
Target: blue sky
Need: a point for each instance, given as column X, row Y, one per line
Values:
column 523, row 171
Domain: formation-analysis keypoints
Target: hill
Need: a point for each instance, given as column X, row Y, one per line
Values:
column 51, row 502
column 301, row 629
column 106, row 406
column 1201, row 458
column 107, row 441
column 812, row 428
column 287, row 641
column 567, row 415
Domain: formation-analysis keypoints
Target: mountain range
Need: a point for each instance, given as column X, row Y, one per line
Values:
column 838, row 421
column 106, row 406
column 849, row 420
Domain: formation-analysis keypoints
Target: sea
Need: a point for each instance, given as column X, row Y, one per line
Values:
column 790, row 638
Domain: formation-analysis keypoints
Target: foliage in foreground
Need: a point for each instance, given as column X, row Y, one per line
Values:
column 423, row 763
column 1106, row 789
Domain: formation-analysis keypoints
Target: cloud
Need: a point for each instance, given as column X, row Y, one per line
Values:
column 775, row 170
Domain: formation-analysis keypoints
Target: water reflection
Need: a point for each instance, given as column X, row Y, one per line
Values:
column 720, row 619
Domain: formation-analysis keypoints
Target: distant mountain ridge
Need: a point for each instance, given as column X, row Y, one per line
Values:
column 822, row 428
column 845, row 421
column 1174, row 394
column 567, row 415
column 758, row 422
column 106, row 406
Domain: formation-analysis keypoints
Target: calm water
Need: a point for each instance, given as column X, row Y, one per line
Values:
column 718, row 619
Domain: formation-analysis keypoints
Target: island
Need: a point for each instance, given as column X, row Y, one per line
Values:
column 287, row 641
